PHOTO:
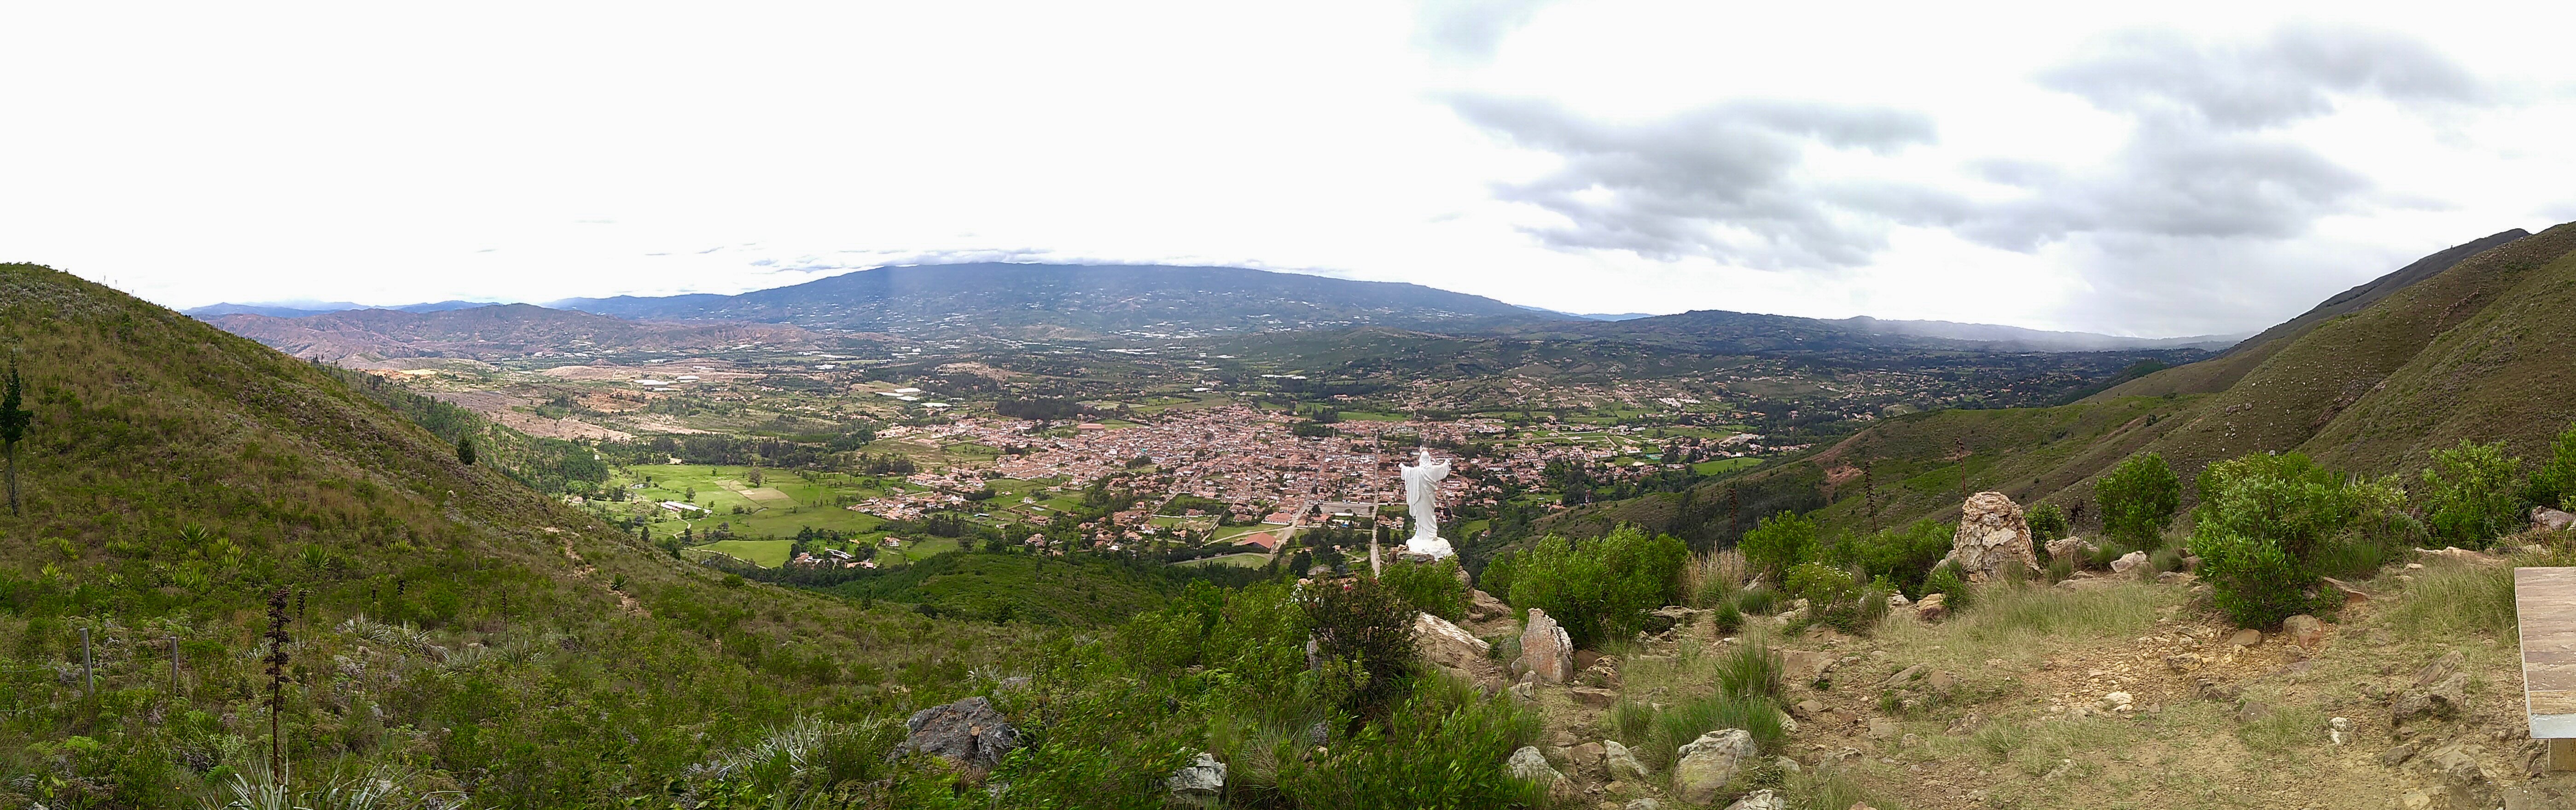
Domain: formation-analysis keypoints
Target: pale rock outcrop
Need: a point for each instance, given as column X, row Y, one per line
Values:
column 2548, row 519
column 1528, row 765
column 1708, row 763
column 1932, row 607
column 1198, row 783
column 1623, row 764
column 967, row 732
column 1546, row 649
column 1483, row 607
column 1992, row 537
column 2128, row 562
column 1443, row 645
column 1764, row 799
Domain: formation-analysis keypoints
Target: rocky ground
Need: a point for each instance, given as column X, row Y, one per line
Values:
column 2097, row 692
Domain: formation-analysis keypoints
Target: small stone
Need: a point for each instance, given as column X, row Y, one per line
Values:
column 1643, row 804
column 2116, row 701
column 2304, row 630
column 1932, row 607
column 1905, row 677
column 2128, row 562
column 1881, row 728
column 2397, row 756
column 1786, row 764
column 1528, row 765
column 1621, row 763
column 1203, row 778
column 1807, row 708
column 1763, row 799
column 2247, row 637
column 2183, row 662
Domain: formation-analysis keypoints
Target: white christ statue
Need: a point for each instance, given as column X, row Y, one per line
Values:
column 1422, row 499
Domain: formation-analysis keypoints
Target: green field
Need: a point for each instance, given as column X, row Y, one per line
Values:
column 1232, row 533
column 1722, row 465
column 1237, row 560
column 784, row 505
column 763, row 553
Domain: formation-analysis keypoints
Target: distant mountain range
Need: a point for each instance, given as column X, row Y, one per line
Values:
column 1054, row 301
column 363, row 337
column 1749, row 333
column 299, row 309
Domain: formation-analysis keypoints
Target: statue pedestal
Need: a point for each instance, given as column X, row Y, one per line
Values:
column 1432, row 547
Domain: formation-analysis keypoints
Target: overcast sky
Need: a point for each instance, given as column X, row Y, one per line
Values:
column 2185, row 169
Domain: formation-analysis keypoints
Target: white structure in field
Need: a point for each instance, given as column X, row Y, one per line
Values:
column 1422, row 500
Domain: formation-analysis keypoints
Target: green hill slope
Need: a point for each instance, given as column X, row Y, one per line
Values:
column 2467, row 343
column 176, row 475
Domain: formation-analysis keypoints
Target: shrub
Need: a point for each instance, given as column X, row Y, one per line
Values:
column 2254, row 580
column 2284, row 499
column 1783, row 540
column 1432, row 587
column 1728, row 617
column 1951, row 582
column 2474, row 496
column 2554, row 484
column 1902, row 555
column 1600, row 588
column 1366, row 628
column 2138, row 499
column 2047, row 522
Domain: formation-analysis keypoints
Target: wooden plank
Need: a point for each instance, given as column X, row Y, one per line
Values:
column 2544, row 601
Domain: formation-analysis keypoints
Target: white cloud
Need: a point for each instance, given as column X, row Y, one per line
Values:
column 2073, row 169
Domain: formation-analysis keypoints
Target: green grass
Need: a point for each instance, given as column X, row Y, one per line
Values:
column 763, row 553
column 1234, row 533
column 1238, row 560
column 1725, row 465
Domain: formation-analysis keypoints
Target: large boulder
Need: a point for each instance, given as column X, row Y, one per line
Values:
column 1708, row 763
column 1546, row 650
column 2547, row 519
column 1992, row 537
column 967, row 732
column 1933, row 607
column 2128, row 562
column 2441, row 700
column 1483, row 607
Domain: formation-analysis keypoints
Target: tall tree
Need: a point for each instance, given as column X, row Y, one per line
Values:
column 14, row 421
column 465, row 452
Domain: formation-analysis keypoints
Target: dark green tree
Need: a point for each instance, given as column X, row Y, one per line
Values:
column 14, row 421
column 2138, row 500
column 465, row 452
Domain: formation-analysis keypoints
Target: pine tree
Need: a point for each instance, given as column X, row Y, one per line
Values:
column 13, row 426
column 465, row 452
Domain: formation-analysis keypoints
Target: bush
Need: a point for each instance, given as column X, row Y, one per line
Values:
column 2474, row 496
column 1783, row 540
column 1366, row 629
column 1757, row 600
column 1904, row 556
column 1951, row 581
column 2047, row 522
column 2138, row 499
column 2554, row 485
column 1600, row 588
column 1432, row 587
column 2284, row 499
column 2255, row 581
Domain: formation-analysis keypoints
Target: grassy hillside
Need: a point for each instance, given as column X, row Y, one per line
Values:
column 176, row 475
column 2473, row 348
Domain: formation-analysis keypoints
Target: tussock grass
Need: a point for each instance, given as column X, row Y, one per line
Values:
column 1749, row 671
column 1713, row 578
column 2449, row 600
column 1659, row 735
column 2022, row 623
